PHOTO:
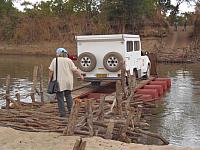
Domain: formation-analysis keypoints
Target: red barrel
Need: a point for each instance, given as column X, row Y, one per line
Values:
column 146, row 98
column 163, row 83
column 159, row 88
column 152, row 92
column 165, row 79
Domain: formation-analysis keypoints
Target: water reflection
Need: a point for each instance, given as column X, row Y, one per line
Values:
column 178, row 119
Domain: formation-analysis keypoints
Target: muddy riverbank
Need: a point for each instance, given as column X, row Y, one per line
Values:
column 41, row 49
column 48, row 48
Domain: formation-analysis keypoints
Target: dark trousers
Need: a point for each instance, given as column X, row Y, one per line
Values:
column 61, row 104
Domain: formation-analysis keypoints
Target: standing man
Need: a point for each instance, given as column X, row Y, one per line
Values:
column 65, row 70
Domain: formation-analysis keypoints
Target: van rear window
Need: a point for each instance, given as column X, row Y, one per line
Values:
column 136, row 45
column 129, row 46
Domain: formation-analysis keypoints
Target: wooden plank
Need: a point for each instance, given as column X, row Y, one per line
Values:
column 143, row 83
column 86, row 89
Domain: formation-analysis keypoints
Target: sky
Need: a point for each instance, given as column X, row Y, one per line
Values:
column 184, row 7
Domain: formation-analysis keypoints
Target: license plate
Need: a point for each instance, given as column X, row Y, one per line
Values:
column 101, row 75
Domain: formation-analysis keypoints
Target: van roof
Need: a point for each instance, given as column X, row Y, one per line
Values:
column 105, row 37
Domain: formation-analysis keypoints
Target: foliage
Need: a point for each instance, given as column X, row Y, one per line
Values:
column 8, row 19
column 62, row 19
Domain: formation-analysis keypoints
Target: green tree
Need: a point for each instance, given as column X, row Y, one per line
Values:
column 8, row 19
column 127, row 12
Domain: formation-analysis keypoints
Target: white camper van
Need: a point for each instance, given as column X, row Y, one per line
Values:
column 99, row 56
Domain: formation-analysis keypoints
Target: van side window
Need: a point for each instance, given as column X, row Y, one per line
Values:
column 129, row 46
column 136, row 45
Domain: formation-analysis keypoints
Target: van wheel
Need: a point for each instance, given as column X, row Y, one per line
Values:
column 86, row 62
column 111, row 61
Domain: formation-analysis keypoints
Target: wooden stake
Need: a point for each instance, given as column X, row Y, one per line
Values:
column 100, row 115
column 79, row 145
column 153, row 60
column 69, row 130
column 131, row 82
column 89, row 115
column 123, row 79
column 17, row 95
column 35, row 72
column 127, row 105
column 122, row 134
column 119, row 98
column 109, row 131
column 7, row 91
column 41, row 84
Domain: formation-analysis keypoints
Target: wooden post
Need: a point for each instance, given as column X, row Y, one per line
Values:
column 100, row 115
column 127, row 105
column 79, row 145
column 153, row 60
column 119, row 98
column 17, row 95
column 89, row 116
column 131, row 81
column 110, row 129
column 123, row 130
column 130, row 84
column 69, row 130
column 41, row 84
column 7, row 91
column 123, row 79
column 128, row 120
column 35, row 72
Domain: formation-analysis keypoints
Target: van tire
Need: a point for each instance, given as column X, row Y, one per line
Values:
column 86, row 62
column 111, row 61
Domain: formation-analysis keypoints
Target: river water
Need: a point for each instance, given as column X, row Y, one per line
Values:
column 177, row 117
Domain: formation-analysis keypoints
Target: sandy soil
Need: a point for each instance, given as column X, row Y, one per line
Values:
column 11, row 139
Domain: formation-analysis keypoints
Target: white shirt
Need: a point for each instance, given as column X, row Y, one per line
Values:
column 65, row 72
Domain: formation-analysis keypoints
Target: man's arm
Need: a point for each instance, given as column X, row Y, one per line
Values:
column 50, row 75
column 77, row 72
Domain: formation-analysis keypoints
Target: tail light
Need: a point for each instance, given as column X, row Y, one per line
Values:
column 73, row 57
